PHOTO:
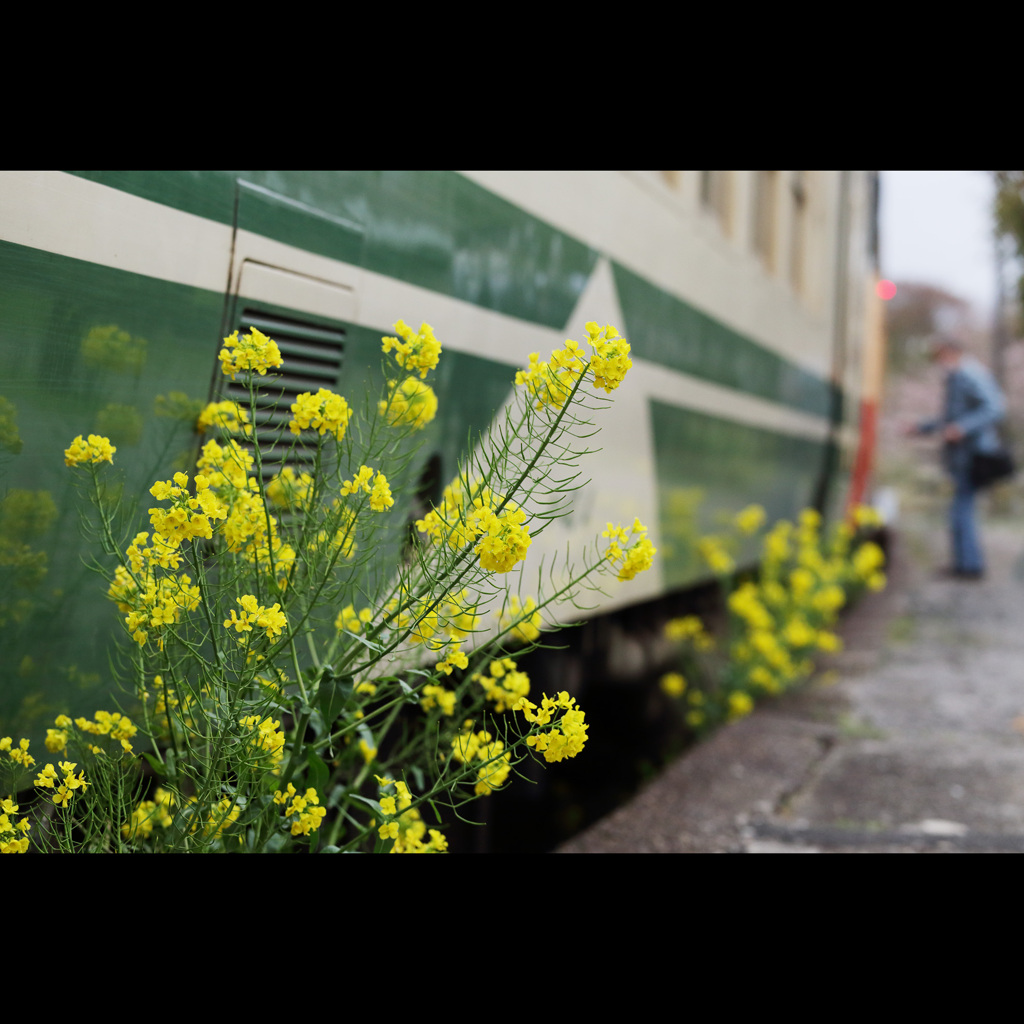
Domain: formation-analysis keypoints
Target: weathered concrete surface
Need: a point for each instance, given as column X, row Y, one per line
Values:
column 916, row 746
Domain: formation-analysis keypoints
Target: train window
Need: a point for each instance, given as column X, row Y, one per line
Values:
column 716, row 196
column 312, row 357
column 766, row 186
column 798, row 231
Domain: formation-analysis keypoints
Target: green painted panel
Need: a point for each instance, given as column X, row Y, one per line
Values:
column 435, row 229
column 83, row 349
column 89, row 349
column 666, row 330
column 709, row 468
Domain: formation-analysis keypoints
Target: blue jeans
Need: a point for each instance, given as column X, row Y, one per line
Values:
column 967, row 554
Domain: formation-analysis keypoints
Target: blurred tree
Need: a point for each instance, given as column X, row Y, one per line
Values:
column 1009, row 231
column 914, row 315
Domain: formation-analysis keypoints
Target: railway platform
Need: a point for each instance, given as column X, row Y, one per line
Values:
column 909, row 740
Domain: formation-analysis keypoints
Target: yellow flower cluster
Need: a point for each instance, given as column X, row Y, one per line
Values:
column 402, row 822
column 551, row 383
column 780, row 621
column 96, row 449
column 432, row 696
column 254, row 351
column 632, row 552
column 417, row 353
column 13, row 838
column 229, row 416
column 502, row 538
column 291, row 490
column 325, row 412
column 47, row 779
column 750, row 520
column 266, row 741
column 504, row 684
column 673, row 683
column 690, row 628
column 348, row 619
column 188, row 517
column 148, row 815
column 482, row 746
column 409, row 403
column 715, row 553
column 248, row 528
column 379, row 492
column 105, row 723
column 18, row 754
column 272, row 620
column 569, row 735
column 523, row 621
column 610, row 359
column 158, row 605
column 305, row 811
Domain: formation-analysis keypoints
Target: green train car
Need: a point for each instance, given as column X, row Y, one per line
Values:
column 746, row 297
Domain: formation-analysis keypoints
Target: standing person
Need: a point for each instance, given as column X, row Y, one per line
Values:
column 972, row 407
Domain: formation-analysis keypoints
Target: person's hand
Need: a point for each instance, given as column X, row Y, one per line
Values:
column 951, row 432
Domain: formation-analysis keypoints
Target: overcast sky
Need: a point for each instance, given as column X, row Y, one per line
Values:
column 936, row 227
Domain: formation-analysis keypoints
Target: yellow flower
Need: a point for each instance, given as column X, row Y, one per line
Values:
column 750, row 520
column 610, row 360
column 272, row 619
column 324, row 412
column 97, row 449
column 254, row 351
column 417, row 353
column 673, row 684
column 410, row 403
column 229, row 416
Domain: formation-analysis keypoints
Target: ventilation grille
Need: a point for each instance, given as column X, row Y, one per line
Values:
column 312, row 356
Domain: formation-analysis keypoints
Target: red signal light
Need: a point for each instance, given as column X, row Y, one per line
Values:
column 885, row 290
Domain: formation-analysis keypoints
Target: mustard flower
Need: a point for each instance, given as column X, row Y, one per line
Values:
column 289, row 489
column 568, row 736
column 433, row 696
column 410, row 403
column 18, row 754
column 523, row 621
column 13, row 838
column 324, row 412
column 348, row 619
column 637, row 557
column 417, row 353
column 379, row 491
column 504, row 683
column 551, row 383
column 228, row 415
column 673, row 684
column 272, row 619
column 750, row 520
column 610, row 360
column 714, row 553
column 505, row 539
column 97, row 449
column 740, row 704
column 254, row 351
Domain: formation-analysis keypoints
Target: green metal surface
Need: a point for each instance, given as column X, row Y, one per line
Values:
column 435, row 229
column 709, row 468
column 90, row 349
column 668, row 331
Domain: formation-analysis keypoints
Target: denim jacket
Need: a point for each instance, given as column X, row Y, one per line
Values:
column 975, row 404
